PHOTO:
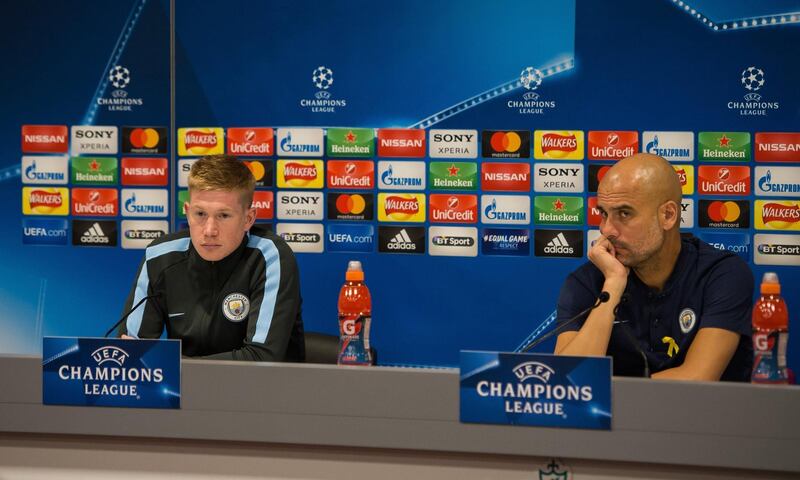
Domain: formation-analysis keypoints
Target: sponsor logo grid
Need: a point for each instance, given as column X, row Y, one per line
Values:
column 525, row 180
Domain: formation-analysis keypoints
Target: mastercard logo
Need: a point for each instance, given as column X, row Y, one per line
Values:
column 144, row 138
column 351, row 204
column 719, row 211
column 506, row 142
column 257, row 169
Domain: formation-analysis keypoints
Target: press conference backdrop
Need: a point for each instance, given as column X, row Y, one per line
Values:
column 467, row 228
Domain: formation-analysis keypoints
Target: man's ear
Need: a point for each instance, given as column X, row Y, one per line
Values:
column 250, row 217
column 669, row 214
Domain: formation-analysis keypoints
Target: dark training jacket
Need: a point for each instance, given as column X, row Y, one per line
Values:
column 246, row 306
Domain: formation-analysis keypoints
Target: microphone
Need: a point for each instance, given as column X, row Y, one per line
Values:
column 602, row 298
column 129, row 312
column 629, row 335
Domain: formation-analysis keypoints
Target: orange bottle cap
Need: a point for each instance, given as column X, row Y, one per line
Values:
column 770, row 284
column 354, row 276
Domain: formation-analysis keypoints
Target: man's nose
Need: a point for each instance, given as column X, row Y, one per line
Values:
column 210, row 228
column 607, row 229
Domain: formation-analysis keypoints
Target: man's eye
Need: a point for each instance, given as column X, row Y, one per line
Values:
column 603, row 214
column 224, row 215
column 624, row 214
column 200, row 214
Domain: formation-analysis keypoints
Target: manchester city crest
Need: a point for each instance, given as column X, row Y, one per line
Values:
column 687, row 319
column 236, row 307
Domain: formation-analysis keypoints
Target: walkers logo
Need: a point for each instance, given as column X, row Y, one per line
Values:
column 777, row 181
column 148, row 172
column 184, row 167
column 673, row 146
column 687, row 213
column 94, row 202
column 94, row 233
column 777, row 214
column 350, row 238
column 401, row 207
column 506, row 177
column 401, row 175
column 138, row 234
column 453, row 176
column 506, row 144
column 453, row 208
column 145, row 140
column 773, row 249
column 302, row 237
column 608, row 145
column 738, row 243
column 300, row 142
column 120, row 101
column 558, row 177
column 506, row 241
column 686, row 176
column 558, row 144
column 724, row 214
column 351, row 174
column 264, row 205
column 323, row 101
column 558, row 210
column 724, row 146
column 778, row 147
column 453, row 241
column 400, row 142
column 530, row 103
column 506, row 209
column 723, row 180
column 596, row 174
column 454, row 144
column 45, row 201
column 401, row 239
column 753, row 79
column 144, row 202
column 251, row 142
column 351, row 206
column 44, row 231
column 263, row 171
column 44, row 139
column 351, row 142
column 94, row 170
column 299, row 205
column 49, row 170
column 558, row 243
column 93, row 140
column 593, row 217
column 300, row 174
column 200, row 141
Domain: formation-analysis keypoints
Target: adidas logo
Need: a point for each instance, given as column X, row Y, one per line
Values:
column 401, row 241
column 559, row 245
column 94, row 234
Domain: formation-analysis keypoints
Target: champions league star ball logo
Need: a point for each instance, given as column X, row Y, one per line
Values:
column 753, row 78
column 530, row 78
column 119, row 76
column 322, row 77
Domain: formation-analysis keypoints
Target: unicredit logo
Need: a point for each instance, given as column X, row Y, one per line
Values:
column 612, row 145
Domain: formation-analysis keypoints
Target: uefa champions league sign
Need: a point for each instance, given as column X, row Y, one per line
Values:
column 105, row 372
column 536, row 390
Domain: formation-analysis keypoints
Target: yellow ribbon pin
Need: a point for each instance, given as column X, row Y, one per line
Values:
column 673, row 347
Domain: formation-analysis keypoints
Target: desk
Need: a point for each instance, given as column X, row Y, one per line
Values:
column 720, row 425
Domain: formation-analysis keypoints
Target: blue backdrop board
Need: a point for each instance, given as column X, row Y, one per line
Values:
column 519, row 106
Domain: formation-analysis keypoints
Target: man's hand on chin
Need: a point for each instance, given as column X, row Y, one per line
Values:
column 603, row 256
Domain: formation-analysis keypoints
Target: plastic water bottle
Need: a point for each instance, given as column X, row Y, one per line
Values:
column 770, row 333
column 355, row 316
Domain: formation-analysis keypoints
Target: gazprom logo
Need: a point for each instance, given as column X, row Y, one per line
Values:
column 44, row 170
column 537, row 370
